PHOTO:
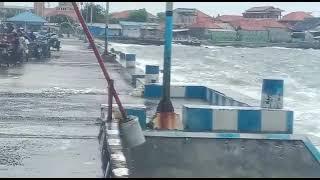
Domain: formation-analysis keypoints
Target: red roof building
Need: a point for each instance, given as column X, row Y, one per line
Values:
column 291, row 19
column 185, row 17
column 125, row 14
column 121, row 15
column 256, row 24
column 205, row 25
column 296, row 16
column 202, row 17
column 228, row 18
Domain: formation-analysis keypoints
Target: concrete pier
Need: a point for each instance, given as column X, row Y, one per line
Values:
column 180, row 154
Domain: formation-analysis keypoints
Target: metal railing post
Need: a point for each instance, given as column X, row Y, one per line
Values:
column 110, row 98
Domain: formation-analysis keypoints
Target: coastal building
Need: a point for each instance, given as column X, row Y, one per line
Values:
column 63, row 8
column 307, row 30
column 148, row 31
column 201, row 30
column 263, row 12
column 185, row 17
column 124, row 15
column 98, row 29
column 223, row 35
column 130, row 29
column 228, row 18
column 38, row 8
column 294, row 17
column 261, row 30
column 136, row 29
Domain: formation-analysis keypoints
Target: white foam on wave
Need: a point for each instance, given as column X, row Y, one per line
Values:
column 211, row 47
column 141, row 63
column 60, row 90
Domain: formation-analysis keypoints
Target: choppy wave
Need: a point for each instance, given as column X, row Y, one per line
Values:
column 59, row 90
column 55, row 92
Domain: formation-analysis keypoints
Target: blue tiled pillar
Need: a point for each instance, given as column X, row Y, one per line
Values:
column 272, row 94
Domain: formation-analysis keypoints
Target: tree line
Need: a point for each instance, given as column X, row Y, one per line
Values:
column 99, row 15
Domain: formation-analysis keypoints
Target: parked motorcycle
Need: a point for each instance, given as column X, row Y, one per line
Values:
column 11, row 50
column 54, row 41
column 40, row 48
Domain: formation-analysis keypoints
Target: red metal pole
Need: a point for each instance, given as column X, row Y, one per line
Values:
column 99, row 58
column 110, row 97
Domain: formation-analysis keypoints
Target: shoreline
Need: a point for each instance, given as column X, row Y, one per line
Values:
column 238, row 44
column 296, row 45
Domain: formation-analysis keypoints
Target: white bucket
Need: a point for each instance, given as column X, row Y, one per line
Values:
column 131, row 132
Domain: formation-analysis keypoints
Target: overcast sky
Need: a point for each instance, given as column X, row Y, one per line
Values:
column 211, row 8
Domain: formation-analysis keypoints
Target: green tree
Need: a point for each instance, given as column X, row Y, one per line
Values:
column 98, row 13
column 161, row 16
column 8, row 13
column 140, row 15
column 66, row 28
column 60, row 19
column 113, row 20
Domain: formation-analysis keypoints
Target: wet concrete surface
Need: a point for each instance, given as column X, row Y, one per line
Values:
column 48, row 111
column 210, row 157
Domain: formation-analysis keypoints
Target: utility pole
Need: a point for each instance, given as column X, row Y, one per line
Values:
column 87, row 14
column 91, row 13
column 49, row 19
column 81, row 8
column 165, row 111
column 106, row 30
column 81, row 3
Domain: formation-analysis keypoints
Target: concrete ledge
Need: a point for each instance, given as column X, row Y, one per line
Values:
column 200, row 154
column 192, row 91
column 127, row 61
column 135, row 77
column 237, row 119
column 313, row 150
column 138, row 110
column 113, row 160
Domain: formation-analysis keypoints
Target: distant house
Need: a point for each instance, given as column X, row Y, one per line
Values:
column 222, row 35
column 184, row 17
column 228, row 18
column 261, row 30
column 181, row 34
column 225, row 33
column 98, row 29
column 134, row 29
column 263, row 12
column 114, row 30
column 294, row 17
column 200, row 30
column 307, row 30
column 130, row 29
column 124, row 15
column 151, row 31
column 225, row 26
